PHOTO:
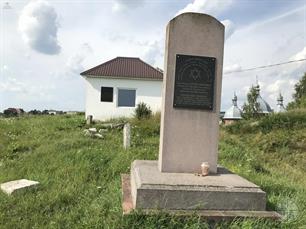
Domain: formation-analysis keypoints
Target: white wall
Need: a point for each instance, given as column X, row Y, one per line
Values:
column 147, row 91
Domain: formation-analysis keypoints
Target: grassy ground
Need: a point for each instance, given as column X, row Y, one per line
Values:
column 80, row 176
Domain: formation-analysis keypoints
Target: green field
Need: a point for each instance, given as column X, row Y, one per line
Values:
column 80, row 175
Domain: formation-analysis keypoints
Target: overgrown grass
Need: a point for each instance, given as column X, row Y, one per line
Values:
column 80, row 176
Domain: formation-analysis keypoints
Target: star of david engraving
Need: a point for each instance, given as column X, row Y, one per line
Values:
column 195, row 74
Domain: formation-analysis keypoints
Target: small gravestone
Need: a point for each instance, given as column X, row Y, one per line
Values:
column 98, row 136
column 13, row 186
column 86, row 132
column 190, row 131
column 102, row 131
column 89, row 120
column 92, row 130
column 126, row 136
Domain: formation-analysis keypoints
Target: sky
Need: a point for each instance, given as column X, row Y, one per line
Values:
column 46, row 44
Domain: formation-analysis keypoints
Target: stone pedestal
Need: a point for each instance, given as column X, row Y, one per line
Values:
column 152, row 189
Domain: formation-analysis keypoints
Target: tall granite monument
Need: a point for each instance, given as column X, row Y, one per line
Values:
column 189, row 129
column 191, row 93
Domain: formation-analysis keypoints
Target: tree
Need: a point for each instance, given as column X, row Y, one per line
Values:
column 35, row 112
column 10, row 112
column 45, row 112
column 299, row 97
column 251, row 108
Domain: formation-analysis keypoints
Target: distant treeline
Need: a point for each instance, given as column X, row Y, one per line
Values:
column 14, row 112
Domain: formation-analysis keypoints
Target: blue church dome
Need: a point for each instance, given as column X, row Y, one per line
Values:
column 233, row 112
column 264, row 107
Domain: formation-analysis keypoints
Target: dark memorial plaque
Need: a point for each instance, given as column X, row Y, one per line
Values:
column 194, row 82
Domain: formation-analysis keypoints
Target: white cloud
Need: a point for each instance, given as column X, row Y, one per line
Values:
column 120, row 5
column 280, row 85
column 12, row 85
column 74, row 63
column 262, row 85
column 280, row 17
column 229, row 28
column 214, row 7
column 283, row 86
column 276, row 86
column 300, row 55
column 232, row 68
column 301, row 65
column 4, row 68
column 153, row 53
column 38, row 26
column 16, row 86
column 245, row 90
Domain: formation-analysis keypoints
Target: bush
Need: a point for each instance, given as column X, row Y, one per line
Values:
column 286, row 120
column 242, row 126
column 10, row 112
column 143, row 111
column 35, row 112
column 44, row 112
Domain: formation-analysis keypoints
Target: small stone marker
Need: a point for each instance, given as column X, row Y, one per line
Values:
column 13, row 186
column 92, row 130
column 102, row 131
column 86, row 132
column 98, row 136
column 127, row 136
column 89, row 120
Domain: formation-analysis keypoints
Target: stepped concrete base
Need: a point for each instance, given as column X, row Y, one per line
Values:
column 152, row 189
column 144, row 191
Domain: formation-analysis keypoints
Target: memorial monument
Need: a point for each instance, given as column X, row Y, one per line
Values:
column 190, row 130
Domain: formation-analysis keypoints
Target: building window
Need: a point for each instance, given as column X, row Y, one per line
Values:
column 107, row 94
column 126, row 97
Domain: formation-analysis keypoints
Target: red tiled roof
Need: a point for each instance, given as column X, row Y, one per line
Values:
column 125, row 67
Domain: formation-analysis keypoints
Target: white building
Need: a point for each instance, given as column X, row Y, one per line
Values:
column 114, row 88
column 280, row 104
column 233, row 114
column 52, row 112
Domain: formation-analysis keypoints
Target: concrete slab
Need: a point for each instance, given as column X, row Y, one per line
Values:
column 13, row 186
column 152, row 189
column 127, row 207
